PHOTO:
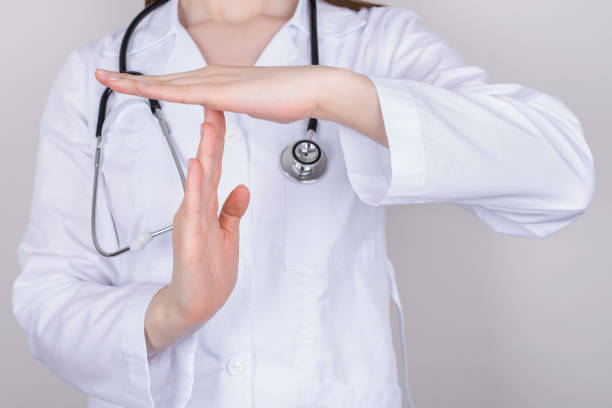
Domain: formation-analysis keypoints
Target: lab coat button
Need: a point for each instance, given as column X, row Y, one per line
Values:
column 233, row 136
column 235, row 367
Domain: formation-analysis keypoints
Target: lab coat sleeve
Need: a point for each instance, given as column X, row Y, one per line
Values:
column 84, row 328
column 514, row 157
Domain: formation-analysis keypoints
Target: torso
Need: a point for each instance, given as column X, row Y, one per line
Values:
column 309, row 314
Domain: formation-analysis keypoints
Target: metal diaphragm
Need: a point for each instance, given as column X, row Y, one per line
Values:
column 304, row 161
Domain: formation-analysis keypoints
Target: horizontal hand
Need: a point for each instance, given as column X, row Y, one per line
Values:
column 278, row 94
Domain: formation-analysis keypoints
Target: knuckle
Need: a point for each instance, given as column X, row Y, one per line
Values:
column 182, row 214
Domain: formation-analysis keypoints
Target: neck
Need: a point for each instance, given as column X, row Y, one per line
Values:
column 193, row 12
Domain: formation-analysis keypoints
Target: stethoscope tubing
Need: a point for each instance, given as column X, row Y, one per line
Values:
column 145, row 237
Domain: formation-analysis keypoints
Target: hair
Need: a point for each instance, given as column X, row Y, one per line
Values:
column 350, row 4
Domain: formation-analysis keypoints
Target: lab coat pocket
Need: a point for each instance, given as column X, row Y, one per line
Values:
column 324, row 219
column 355, row 362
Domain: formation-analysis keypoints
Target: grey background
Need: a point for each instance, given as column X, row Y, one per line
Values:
column 492, row 320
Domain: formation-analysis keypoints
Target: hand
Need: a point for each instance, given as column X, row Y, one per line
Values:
column 278, row 94
column 205, row 246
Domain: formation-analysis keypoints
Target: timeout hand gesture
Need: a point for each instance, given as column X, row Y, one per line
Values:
column 206, row 247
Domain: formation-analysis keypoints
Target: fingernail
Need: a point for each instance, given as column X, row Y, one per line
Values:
column 110, row 75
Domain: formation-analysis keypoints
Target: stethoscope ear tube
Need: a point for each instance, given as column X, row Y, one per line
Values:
column 130, row 30
column 102, row 111
column 153, row 104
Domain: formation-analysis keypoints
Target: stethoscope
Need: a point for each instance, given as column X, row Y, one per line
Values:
column 303, row 161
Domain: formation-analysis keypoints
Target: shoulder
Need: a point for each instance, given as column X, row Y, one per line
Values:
column 391, row 39
column 334, row 20
column 152, row 30
column 388, row 29
column 149, row 45
column 390, row 17
column 398, row 26
column 381, row 14
column 75, row 84
column 75, row 81
column 395, row 42
column 104, row 48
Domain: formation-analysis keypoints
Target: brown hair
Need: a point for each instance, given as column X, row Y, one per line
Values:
column 350, row 4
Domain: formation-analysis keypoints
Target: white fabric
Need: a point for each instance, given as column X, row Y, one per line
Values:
column 307, row 324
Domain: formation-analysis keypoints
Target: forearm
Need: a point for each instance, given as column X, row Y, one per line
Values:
column 350, row 99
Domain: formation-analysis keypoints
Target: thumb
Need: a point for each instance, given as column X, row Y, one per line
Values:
column 234, row 208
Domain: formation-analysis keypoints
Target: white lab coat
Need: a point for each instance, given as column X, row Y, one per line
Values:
column 307, row 323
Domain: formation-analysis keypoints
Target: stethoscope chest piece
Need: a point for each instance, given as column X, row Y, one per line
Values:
column 304, row 161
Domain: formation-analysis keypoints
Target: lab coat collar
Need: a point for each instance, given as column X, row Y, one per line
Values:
column 164, row 23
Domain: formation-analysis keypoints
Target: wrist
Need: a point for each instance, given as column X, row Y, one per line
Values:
column 350, row 99
column 163, row 323
column 326, row 80
column 337, row 89
column 154, row 321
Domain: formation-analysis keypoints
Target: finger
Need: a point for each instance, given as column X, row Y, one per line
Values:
column 194, row 93
column 191, row 207
column 191, row 90
column 217, row 119
column 104, row 76
column 206, row 156
column 234, row 208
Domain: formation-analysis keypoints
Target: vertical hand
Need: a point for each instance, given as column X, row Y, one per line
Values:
column 205, row 245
